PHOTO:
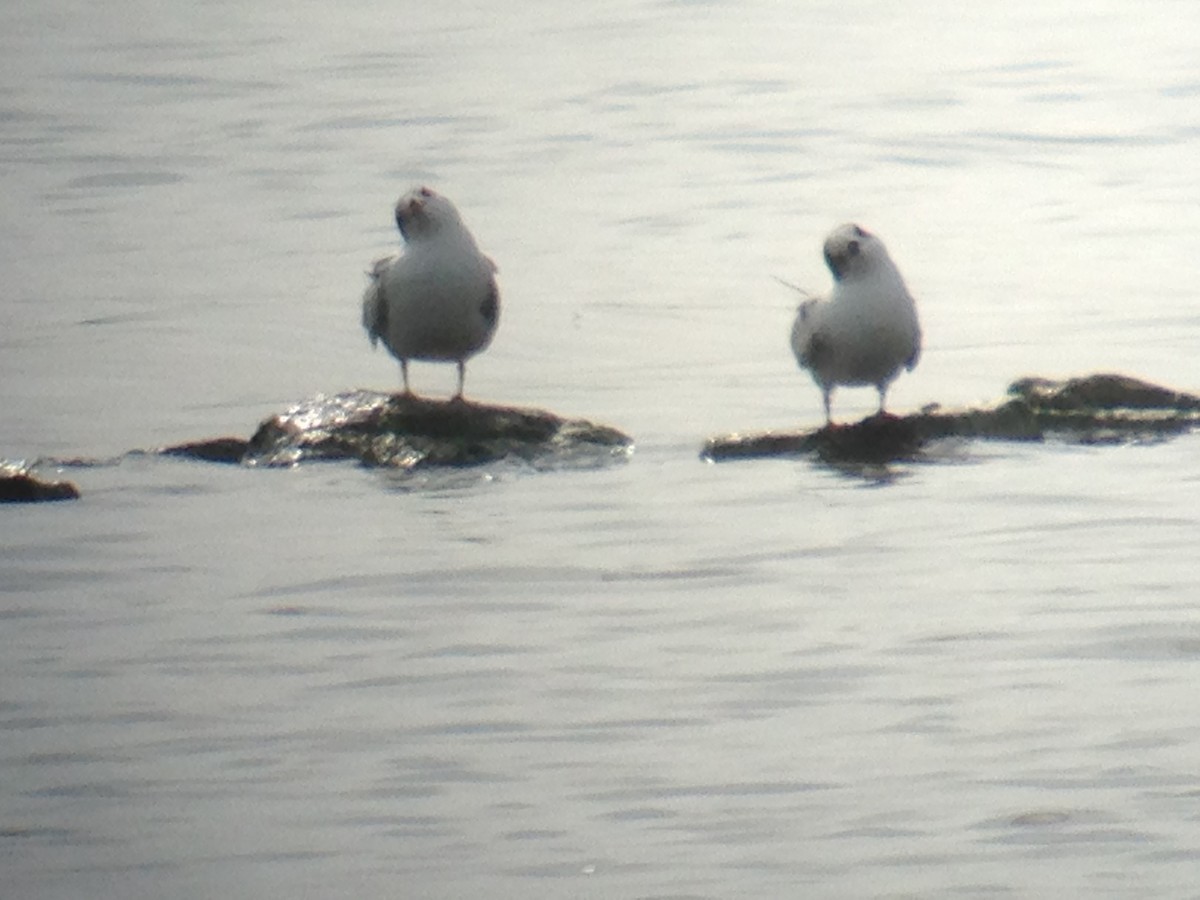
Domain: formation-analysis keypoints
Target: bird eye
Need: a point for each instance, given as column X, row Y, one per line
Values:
column 426, row 192
column 852, row 248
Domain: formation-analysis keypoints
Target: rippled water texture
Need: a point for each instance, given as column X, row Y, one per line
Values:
column 972, row 677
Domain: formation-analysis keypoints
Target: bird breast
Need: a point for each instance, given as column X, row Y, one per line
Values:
column 439, row 304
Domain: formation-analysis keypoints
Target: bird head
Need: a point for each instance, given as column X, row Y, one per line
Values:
column 850, row 249
column 423, row 212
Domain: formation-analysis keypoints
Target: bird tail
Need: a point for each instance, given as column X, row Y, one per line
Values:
column 803, row 292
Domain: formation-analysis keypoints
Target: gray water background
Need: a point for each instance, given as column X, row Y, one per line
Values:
column 660, row 679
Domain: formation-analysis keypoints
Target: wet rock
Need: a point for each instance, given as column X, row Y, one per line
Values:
column 1105, row 391
column 19, row 484
column 1093, row 409
column 229, row 450
column 407, row 432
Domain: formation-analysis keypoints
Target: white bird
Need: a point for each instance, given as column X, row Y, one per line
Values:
column 866, row 329
column 438, row 299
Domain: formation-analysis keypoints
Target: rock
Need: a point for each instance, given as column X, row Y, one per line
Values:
column 229, row 450
column 1100, row 408
column 1101, row 392
column 407, row 432
column 18, row 484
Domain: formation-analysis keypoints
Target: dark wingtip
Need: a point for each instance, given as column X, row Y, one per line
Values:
column 490, row 308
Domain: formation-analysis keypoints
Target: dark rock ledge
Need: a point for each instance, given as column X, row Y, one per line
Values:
column 1095, row 409
column 407, row 432
column 20, row 484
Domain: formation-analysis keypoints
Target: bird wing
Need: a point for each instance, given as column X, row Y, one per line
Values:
column 915, row 356
column 375, row 311
column 911, row 362
column 490, row 307
column 808, row 342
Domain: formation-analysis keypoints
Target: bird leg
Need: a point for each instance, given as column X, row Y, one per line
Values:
column 462, row 377
column 404, row 374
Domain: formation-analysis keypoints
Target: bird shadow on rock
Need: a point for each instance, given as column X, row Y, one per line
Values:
column 1094, row 409
column 405, row 432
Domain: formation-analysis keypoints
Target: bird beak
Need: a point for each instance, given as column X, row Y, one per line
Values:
column 406, row 211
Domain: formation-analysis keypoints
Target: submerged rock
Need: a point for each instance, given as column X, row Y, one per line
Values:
column 1093, row 409
column 19, row 484
column 407, row 432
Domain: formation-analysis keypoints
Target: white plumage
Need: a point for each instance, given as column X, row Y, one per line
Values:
column 438, row 299
column 865, row 331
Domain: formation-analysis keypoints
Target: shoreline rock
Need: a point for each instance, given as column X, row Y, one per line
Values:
column 1095, row 409
column 406, row 432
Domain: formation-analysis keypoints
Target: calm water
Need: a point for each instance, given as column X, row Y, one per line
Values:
column 661, row 679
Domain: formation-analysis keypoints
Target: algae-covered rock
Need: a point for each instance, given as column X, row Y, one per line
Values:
column 404, row 431
column 1100, row 408
column 20, row 484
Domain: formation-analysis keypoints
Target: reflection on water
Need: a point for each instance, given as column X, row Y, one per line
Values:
column 659, row 679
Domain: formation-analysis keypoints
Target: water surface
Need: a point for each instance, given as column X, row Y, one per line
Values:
column 660, row 679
